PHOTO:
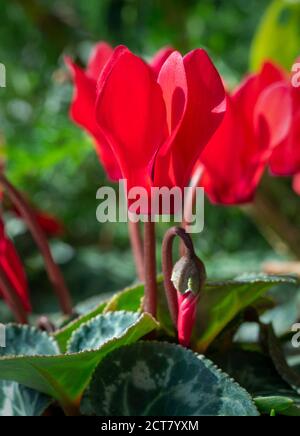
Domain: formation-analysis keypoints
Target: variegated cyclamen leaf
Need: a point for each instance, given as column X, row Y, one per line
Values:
column 66, row 376
column 162, row 379
column 129, row 299
column 63, row 335
column 93, row 334
column 16, row 399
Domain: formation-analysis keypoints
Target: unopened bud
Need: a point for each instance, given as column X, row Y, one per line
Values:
column 189, row 274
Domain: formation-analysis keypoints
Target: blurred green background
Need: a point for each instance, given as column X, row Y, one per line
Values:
column 54, row 162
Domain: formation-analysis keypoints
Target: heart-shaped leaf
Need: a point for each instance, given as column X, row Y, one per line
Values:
column 63, row 335
column 220, row 303
column 64, row 377
column 16, row 399
column 161, row 379
column 93, row 334
column 129, row 299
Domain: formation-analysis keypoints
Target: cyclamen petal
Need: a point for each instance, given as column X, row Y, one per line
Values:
column 226, row 179
column 150, row 122
column 187, row 312
column 274, row 106
column 131, row 113
column 285, row 160
column 204, row 111
column 100, row 55
column 160, row 58
column 12, row 267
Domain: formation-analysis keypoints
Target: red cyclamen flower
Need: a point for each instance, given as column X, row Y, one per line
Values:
column 158, row 127
column 187, row 311
column 258, row 118
column 12, row 267
column 83, row 106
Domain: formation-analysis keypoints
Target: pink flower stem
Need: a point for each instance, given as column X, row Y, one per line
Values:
column 167, row 266
column 150, row 301
column 137, row 248
column 54, row 273
column 12, row 298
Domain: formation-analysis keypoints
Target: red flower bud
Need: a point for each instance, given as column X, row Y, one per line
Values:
column 188, row 277
column 187, row 310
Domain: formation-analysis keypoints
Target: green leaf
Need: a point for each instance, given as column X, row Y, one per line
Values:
column 256, row 373
column 16, row 399
column 64, row 377
column 63, row 335
column 161, row 379
column 278, row 36
column 279, row 405
column 129, row 299
column 90, row 304
column 220, row 303
column 93, row 334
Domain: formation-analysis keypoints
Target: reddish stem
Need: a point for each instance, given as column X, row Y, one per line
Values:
column 137, row 248
column 167, row 265
column 189, row 205
column 150, row 302
column 54, row 273
column 13, row 299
